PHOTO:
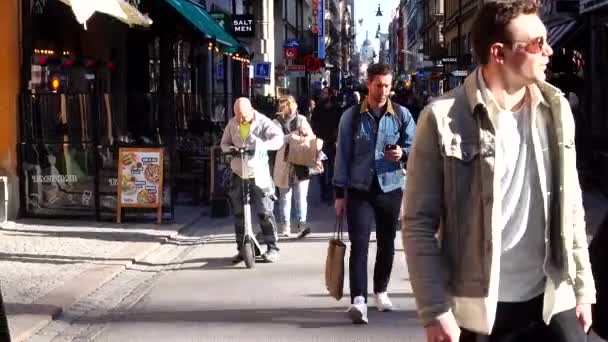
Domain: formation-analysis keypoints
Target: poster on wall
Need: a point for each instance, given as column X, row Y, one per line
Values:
column 140, row 180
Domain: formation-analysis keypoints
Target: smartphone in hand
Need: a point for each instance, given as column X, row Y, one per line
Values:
column 390, row 147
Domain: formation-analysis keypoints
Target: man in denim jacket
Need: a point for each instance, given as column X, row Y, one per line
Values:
column 374, row 140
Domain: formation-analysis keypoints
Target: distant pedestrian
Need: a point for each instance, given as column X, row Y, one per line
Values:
column 289, row 178
column 324, row 122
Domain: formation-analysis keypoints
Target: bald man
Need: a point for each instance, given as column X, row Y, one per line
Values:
column 251, row 129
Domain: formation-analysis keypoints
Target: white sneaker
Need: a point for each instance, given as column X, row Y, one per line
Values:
column 383, row 303
column 284, row 230
column 358, row 311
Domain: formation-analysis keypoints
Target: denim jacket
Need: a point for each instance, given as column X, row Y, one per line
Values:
column 355, row 166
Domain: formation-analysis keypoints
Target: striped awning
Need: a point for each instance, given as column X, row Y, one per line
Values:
column 557, row 33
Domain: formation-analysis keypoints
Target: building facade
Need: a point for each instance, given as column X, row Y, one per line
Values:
column 10, row 55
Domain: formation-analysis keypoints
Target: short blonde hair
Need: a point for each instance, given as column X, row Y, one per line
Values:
column 287, row 101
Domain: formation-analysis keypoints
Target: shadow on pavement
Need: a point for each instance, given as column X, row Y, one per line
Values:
column 307, row 318
column 14, row 309
column 369, row 296
column 53, row 259
column 122, row 236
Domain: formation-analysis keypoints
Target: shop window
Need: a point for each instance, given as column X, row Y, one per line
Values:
column 182, row 68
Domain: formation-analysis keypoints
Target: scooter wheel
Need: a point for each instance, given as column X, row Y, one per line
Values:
column 248, row 251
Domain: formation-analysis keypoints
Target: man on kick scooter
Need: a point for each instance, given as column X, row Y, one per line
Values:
column 252, row 130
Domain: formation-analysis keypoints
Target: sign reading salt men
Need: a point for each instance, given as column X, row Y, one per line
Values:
column 140, row 180
column 243, row 25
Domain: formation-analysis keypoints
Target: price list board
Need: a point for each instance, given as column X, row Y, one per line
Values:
column 140, row 180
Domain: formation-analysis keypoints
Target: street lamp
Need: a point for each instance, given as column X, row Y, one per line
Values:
column 379, row 12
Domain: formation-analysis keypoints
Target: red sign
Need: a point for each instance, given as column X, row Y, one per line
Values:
column 315, row 14
column 291, row 54
column 311, row 63
column 296, row 67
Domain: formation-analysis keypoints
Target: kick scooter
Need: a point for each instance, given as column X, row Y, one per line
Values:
column 250, row 247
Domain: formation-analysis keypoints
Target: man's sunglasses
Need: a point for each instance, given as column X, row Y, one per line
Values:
column 533, row 46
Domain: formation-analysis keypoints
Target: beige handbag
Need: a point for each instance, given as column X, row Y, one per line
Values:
column 303, row 150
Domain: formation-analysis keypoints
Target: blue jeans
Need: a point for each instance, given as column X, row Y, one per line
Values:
column 300, row 190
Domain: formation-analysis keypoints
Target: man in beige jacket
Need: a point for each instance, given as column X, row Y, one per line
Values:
column 493, row 227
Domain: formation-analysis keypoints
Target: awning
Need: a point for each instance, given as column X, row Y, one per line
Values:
column 120, row 9
column 557, row 33
column 204, row 23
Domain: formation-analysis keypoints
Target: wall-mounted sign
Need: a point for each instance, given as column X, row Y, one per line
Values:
column 291, row 54
column 321, row 26
column 311, row 63
column 460, row 73
column 219, row 71
column 243, row 25
column 262, row 70
column 221, row 18
column 140, row 180
column 449, row 60
column 315, row 14
column 296, row 70
column 292, row 43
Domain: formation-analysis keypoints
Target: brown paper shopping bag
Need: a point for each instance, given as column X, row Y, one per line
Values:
column 334, row 264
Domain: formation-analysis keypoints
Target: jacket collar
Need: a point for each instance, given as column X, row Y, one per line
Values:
column 389, row 107
column 542, row 93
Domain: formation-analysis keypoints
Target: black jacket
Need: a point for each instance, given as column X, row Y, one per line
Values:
column 598, row 252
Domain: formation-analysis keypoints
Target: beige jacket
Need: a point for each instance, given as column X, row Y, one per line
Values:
column 451, row 191
column 263, row 136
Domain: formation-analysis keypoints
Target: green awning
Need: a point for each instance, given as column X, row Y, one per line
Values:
column 204, row 23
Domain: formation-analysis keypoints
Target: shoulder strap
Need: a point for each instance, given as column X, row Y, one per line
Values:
column 397, row 115
column 354, row 129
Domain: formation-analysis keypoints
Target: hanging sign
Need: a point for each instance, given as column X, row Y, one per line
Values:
column 140, row 180
column 291, row 54
column 243, row 25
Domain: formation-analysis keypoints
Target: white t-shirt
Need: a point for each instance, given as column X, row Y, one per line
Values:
column 522, row 258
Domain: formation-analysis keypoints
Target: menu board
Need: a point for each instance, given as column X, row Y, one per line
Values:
column 140, row 179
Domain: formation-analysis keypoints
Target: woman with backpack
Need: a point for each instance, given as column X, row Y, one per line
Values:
column 290, row 178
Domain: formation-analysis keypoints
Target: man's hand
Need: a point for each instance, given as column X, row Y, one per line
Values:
column 340, row 207
column 583, row 316
column 444, row 329
column 393, row 155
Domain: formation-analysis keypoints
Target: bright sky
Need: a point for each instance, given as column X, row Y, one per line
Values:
column 366, row 10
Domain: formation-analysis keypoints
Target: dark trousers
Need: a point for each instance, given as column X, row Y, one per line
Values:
column 261, row 203
column 523, row 322
column 326, row 178
column 362, row 209
column 5, row 335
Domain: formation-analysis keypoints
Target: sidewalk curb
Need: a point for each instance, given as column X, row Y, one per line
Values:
column 51, row 305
